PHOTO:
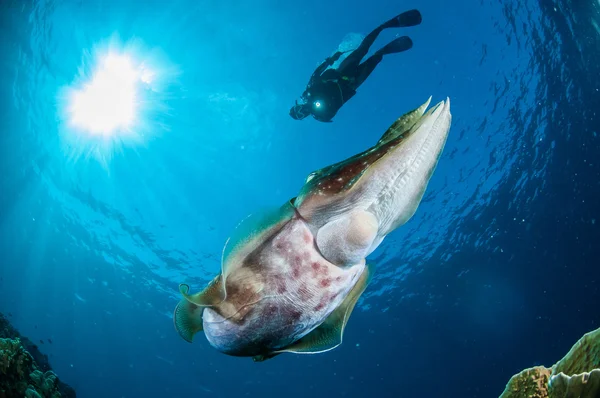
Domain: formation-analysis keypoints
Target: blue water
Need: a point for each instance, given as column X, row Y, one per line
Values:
column 497, row 271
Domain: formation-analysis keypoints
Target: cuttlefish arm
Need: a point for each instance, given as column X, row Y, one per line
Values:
column 341, row 176
column 352, row 205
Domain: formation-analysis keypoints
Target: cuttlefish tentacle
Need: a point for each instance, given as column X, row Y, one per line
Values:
column 352, row 205
column 404, row 123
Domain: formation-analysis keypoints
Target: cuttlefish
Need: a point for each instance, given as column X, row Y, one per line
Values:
column 290, row 279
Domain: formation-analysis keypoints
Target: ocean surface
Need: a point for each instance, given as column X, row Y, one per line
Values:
column 497, row 271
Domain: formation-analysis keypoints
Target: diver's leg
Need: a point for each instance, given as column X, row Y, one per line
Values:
column 397, row 45
column 352, row 60
column 408, row 18
column 366, row 68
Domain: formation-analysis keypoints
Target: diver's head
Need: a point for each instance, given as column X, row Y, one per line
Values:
column 300, row 111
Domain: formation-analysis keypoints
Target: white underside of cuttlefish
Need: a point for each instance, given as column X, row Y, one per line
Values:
column 290, row 280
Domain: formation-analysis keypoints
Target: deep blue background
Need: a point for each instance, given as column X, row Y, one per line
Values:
column 497, row 271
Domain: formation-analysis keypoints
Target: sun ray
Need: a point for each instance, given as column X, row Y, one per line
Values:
column 117, row 100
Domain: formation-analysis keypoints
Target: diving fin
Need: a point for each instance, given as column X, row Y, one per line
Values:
column 398, row 45
column 404, row 20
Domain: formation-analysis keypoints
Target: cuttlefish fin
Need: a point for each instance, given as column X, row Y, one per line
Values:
column 188, row 319
column 330, row 333
column 404, row 123
column 264, row 357
column 187, row 316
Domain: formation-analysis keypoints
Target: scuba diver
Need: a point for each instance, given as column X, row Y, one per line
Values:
column 329, row 89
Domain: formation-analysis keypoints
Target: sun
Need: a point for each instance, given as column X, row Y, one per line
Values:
column 107, row 103
column 115, row 99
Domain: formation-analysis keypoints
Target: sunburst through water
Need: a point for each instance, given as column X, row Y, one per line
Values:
column 117, row 100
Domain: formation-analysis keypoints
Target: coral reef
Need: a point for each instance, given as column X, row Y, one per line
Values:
column 24, row 370
column 576, row 375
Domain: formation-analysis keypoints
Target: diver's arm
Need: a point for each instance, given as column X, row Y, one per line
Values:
column 328, row 62
column 318, row 71
column 336, row 56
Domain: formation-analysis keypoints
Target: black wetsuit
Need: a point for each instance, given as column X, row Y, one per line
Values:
column 327, row 91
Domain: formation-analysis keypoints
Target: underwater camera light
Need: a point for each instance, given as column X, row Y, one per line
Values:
column 317, row 104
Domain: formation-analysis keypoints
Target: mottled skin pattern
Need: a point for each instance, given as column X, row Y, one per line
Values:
column 285, row 289
column 290, row 284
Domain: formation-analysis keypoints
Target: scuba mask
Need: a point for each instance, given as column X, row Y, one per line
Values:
column 299, row 111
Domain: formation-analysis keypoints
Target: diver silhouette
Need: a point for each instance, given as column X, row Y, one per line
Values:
column 329, row 89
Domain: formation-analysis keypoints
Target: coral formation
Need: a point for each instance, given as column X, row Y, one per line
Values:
column 24, row 370
column 576, row 375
